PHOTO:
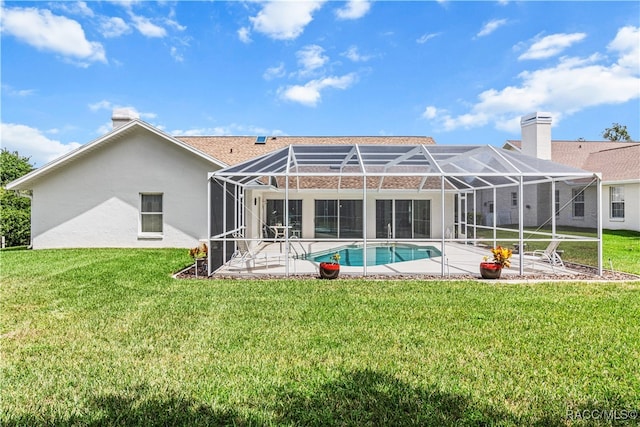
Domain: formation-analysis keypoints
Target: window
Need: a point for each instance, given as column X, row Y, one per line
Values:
column 422, row 219
column 326, row 220
column 384, row 218
column 151, row 213
column 557, row 202
column 514, row 199
column 616, row 202
column 578, row 203
column 350, row 218
column 338, row 218
column 275, row 214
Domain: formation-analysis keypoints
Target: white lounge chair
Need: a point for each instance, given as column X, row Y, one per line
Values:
column 244, row 254
column 549, row 255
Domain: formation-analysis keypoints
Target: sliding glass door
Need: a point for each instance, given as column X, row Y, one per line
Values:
column 410, row 219
column 342, row 219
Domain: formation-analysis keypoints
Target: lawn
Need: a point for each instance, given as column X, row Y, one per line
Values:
column 107, row 337
column 620, row 248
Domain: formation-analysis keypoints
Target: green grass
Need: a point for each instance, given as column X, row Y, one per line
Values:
column 620, row 248
column 107, row 337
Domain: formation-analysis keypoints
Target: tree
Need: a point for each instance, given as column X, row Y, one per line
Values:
column 616, row 132
column 15, row 209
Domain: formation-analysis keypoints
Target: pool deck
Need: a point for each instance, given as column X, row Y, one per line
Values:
column 460, row 259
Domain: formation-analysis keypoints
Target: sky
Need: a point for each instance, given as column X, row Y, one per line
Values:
column 460, row 72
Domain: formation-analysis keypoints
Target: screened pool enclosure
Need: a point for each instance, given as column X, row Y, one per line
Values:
column 276, row 212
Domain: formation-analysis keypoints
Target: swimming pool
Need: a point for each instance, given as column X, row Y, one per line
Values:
column 352, row 256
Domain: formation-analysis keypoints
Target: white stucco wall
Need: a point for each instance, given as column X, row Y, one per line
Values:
column 94, row 200
column 255, row 211
column 566, row 218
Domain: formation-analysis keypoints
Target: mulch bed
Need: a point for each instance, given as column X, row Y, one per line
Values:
column 584, row 273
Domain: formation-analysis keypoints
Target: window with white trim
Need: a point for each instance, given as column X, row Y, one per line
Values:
column 514, row 199
column 151, row 213
column 578, row 203
column 616, row 202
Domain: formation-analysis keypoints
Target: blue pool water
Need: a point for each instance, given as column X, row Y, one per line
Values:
column 352, row 256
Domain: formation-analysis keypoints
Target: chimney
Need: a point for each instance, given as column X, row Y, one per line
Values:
column 122, row 116
column 536, row 135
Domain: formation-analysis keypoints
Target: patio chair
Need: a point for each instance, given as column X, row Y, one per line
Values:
column 549, row 255
column 244, row 254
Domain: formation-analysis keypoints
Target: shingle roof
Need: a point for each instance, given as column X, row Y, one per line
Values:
column 616, row 161
column 235, row 149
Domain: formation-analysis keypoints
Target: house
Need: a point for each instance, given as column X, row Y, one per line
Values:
column 617, row 162
column 137, row 186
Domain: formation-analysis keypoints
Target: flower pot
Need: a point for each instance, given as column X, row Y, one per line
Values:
column 490, row 270
column 329, row 270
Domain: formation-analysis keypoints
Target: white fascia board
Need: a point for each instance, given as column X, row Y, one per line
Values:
column 23, row 182
column 621, row 181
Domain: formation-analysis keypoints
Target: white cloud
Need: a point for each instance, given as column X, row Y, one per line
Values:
column 232, row 129
column 101, row 105
column 551, row 45
column 626, row 44
column 285, row 20
column 491, row 26
column 311, row 58
column 109, row 106
column 244, row 34
column 46, row 31
column 175, row 53
column 10, row 91
column 572, row 85
column 114, row 27
column 354, row 9
column 430, row 112
column 75, row 8
column 426, row 37
column 174, row 24
column 355, row 56
column 147, row 28
column 310, row 93
column 33, row 143
column 274, row 72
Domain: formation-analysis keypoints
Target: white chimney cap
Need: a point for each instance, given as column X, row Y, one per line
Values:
column 125, row 114
column 537, row 117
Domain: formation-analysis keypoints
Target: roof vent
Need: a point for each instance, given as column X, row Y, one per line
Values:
column 261, row 140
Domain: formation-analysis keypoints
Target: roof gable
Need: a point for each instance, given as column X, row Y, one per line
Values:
column 613, row 159
column 25, row 182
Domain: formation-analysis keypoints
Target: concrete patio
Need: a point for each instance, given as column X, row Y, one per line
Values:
column 460, row 260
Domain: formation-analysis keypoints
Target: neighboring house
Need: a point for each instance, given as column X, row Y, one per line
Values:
column 618, row 162
column 140, row 187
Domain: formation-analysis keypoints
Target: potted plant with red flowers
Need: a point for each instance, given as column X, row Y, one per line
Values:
column 331, row 269
column 501, row 259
